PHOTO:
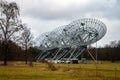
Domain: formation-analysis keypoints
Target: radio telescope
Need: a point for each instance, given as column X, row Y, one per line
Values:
column 69, row 41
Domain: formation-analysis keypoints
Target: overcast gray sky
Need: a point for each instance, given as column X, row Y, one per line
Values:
column 45, row 15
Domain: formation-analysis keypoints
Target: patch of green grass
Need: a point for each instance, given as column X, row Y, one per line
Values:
column 40, row 71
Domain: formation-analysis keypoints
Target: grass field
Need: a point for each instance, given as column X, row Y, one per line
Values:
column 40, row 71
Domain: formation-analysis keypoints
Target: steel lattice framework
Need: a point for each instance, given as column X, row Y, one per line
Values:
column 75, row 36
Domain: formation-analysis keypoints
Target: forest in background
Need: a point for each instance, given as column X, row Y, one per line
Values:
column 110, row 52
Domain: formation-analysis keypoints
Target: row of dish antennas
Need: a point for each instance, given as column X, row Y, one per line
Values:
column 69, row 41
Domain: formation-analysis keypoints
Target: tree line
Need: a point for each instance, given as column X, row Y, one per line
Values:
column 110, row 52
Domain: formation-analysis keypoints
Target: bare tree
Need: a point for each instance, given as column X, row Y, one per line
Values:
column 10, row 25
column 26, row 41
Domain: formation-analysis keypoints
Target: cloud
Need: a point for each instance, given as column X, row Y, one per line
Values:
column 40, row 26
column 69, row 9
column 46, row 15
